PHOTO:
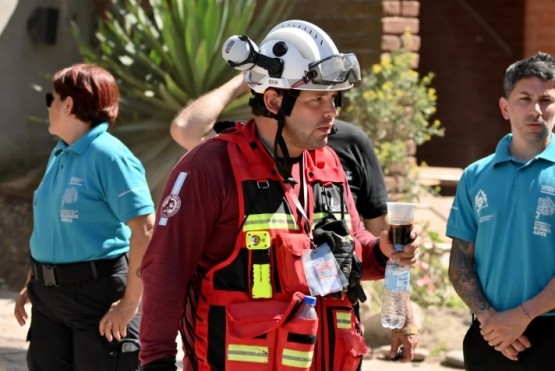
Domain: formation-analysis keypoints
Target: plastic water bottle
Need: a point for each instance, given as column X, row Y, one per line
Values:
column 307, row 309
column 396, row 292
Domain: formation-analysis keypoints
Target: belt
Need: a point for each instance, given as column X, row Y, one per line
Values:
column 67, row 274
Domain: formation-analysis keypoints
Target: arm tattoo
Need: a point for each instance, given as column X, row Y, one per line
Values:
column 463, row 276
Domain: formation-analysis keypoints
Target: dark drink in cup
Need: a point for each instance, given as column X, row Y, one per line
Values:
column 399, row 235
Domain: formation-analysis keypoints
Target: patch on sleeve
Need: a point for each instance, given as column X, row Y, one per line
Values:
column 172, row 202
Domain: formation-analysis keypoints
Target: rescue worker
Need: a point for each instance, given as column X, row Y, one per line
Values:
column 253, row 220
column 197, row 122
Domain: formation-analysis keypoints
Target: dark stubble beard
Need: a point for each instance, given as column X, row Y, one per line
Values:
column 308, row 142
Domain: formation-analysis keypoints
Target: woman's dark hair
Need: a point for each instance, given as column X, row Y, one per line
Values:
column 94, row 91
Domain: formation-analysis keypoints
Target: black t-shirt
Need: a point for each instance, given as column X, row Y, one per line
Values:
column 360, row 163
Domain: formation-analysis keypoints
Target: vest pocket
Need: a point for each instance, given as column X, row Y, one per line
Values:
column 296, row 340
column 349, row 344
column 290, row 249
column 264, row 334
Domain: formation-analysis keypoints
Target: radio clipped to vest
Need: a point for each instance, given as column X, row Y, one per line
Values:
column 258, row 244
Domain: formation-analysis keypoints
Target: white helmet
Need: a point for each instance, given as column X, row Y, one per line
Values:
column 294, row 55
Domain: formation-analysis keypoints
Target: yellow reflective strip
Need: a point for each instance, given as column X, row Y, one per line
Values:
column 343, row 320
column 319, row 216
column 269, row 221
column 247, row 353
column 295, row 358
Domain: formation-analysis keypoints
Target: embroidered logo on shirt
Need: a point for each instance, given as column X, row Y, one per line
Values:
column 70, row 196
column 170, row 206
column 76, row 181
column 481, row 201
column 172, row 202
column 546, row 207
column 550, row 190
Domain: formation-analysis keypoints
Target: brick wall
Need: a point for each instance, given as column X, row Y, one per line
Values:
column 398, row 17
column 354, row 25
column 365, row 27
column 468, row 44
column 539, row 33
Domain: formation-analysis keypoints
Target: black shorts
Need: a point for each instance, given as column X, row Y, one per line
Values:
column 480, row 356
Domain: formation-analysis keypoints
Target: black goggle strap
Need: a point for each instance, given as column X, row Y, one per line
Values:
column 284, row 166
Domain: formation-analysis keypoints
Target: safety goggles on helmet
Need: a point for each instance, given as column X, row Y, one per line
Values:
column 335, row 69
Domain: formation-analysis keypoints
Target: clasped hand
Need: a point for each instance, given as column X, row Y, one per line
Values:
column 505, row 332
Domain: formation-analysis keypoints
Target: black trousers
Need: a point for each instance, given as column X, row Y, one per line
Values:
column 64, row 335
column 480, row 356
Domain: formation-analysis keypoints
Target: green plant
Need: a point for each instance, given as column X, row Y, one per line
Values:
column 430, row 285
column 394, row 105
column 165, row 54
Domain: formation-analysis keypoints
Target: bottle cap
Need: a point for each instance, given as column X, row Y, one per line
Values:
column 310, row 300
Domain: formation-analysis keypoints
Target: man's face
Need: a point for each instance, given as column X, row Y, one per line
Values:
column 531, row 110
column 311, row 121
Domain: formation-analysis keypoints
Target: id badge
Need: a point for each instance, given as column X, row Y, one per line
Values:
column 322, row 272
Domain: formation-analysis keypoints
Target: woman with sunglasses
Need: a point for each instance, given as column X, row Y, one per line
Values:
column 93, row 219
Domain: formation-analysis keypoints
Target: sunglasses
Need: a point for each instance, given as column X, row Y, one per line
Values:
column 49, row 99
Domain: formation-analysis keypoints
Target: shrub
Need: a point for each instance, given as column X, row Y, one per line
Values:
column 395, row 106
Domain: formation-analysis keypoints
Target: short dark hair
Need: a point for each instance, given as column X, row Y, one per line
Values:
column 259, row 107
column 94, row 91
column 541, row 65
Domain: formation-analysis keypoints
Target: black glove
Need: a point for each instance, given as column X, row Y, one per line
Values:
column 356, row 292
column 336, row 234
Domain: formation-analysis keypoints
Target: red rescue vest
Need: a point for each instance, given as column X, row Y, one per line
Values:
column 246, row 305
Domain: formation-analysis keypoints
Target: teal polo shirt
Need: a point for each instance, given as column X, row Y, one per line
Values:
column 90, row 190
column 507, row 209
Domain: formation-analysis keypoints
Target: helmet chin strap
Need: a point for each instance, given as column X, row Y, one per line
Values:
column 284, row 163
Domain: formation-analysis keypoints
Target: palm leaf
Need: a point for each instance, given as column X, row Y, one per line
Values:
column 166, row 55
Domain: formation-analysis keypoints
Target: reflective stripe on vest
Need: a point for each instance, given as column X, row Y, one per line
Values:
column 256, row 222
column 318, row 217
column 296, row 358
column 343, row 320
column 247, row 353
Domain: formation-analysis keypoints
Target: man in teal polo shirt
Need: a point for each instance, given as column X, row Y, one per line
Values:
column 502, row 222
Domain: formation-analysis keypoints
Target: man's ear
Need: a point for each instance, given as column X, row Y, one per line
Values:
column 503, row 105
column 272, row 101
